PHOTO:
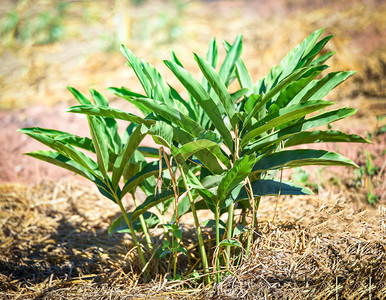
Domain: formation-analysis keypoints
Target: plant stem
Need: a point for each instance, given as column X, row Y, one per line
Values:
column 231, row 207
column 217, row 243
column 144, row 228
column 256, row 203
column 198, row 228
column 175, row 190
column 128, row 222
column 229, row 232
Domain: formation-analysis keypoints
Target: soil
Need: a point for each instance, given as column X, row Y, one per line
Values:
column 53, row 229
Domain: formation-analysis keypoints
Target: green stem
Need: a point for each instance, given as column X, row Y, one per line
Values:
column 128, row 222
column 144, row 228
column 229, row 232
column 217, row 243
column 198, row 228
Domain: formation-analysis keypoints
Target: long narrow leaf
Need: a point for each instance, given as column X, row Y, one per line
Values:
column 318, row 89
column 204, row 99
column 282, row 134
column 82, row 99
column 62, row 161
column 301, row 157
column 228, row 66
column 174, row 116
column 282, row 116
column 285, row 97
column 319, row 136
column 109, row 112
column 219, row 87
column 285, row 82
column 138, row 69
column 212, row 59
column 126, row 154
column 240, row 170
column 270, row 187
column 242, row 73
column 147, row 171
column 100, row 145
column 65, row 137
column 66, row 150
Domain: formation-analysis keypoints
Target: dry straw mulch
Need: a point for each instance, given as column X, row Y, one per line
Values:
column 54, row 245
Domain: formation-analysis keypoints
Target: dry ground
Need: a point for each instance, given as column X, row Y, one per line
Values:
column 53, row 231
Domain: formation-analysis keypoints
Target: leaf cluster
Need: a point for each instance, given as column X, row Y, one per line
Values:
column 217, row 150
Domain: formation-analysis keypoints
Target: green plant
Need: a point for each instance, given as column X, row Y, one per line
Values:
column 366, row 176
column 35, row 28
column 302, row 177
column 218, row 151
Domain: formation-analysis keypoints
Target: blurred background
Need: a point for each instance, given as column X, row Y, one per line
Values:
column 46, row 45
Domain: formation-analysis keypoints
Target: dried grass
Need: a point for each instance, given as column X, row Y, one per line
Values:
column 54, row 245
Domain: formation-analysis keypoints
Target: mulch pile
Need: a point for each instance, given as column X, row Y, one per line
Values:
column 54, row 245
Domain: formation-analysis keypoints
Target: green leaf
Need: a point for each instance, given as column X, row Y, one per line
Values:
column 191, row 178
column 240, row 170
column 212, row 224
column 319, row 120
column 319, row 136
column 136, row 64
column 108, row 112
column 306, row 59
column 111, row 126
column 152, row 201
column 190, row 106
column 233, row 54
column 292, row 60
column 228, row 242
column 66, row 150
column 162, row 133
column 184, row 207
column 322, row 59
column 294, row 88
column 219, row 88
column 99, row 140
column 62, row 161
column 212, row 58
column 64, row 137
column 191, row 148
column 271, row 187
column 301, row 157
column 159, row 85
column 119, row 225
column 149, row 151
column 208, row 157
column 318, row 89
column 239, row 229
column 130, row 96
column 283, row 116
column 280, row 86
column 242, row 73
column 173, row 115
column 126, row 154
column 204, row 99
column 99, row 99
column 150, row 169
column 124, row 92
column 82, row 99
